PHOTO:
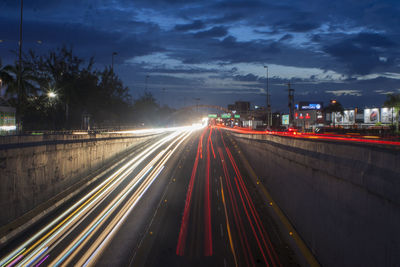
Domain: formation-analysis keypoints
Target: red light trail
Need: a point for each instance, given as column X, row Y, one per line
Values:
column 331, row 137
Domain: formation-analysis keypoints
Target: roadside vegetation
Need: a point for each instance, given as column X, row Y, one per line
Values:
column 58, row 89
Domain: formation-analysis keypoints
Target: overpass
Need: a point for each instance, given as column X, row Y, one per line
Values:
column 210, row 196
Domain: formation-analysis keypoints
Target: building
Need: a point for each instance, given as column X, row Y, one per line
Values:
column 308, row 115
column 241, row 108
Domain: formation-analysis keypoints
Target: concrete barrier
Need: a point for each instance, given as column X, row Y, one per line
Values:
column 33, row 169
column 342, row 198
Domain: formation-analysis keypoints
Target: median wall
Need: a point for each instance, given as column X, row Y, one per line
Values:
column 34, row 169
column 342, row 198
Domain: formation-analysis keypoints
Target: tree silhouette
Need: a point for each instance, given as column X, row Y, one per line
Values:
column 334, row 107
column 393, row 101
column 28, row 90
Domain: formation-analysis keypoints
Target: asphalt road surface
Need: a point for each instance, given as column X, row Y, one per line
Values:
column 183, row 200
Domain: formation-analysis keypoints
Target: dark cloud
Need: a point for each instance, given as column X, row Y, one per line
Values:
column 286, row 37
column 246, row 78
column 212, row 33
column 310, row 34
column 297, row 26
column 86, row 41
column 195, row 25
column 372, row 40
column 361, row 53
column 316, row 38
column 233, row 17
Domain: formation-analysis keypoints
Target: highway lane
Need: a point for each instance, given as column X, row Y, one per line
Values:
column 208, row 215
column 182, row 200
column 80, row 231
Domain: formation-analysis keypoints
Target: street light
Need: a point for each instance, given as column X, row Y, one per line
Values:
column 146, row 80
column 51, row 95
column 19, row 94
column 269, row 122
column 112, row 60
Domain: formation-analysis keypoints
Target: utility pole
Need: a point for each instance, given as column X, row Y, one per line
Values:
column 291, row 104
column 145, row 87
column 163, row 96
column 197, row 104
column 19, row 82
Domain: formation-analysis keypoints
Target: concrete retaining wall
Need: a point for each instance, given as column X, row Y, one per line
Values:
column 343, row 199
column 35, row 168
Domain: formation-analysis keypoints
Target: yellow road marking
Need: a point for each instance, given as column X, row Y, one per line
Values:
column 227, row 223
column 292, row 232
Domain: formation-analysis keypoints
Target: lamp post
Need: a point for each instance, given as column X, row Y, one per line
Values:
column 112, row 60
column 269, row 122
column 52, row 97
column 145, row 86
column 19, row 99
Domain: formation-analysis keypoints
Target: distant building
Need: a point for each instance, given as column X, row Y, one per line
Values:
column 241, row 108
column 308, row 114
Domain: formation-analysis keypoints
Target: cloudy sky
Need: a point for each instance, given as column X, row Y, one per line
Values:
column 216, row 50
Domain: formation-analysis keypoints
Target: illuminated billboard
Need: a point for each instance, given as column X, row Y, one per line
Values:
column 388, row 115
column 371, row 115
column 310, row 105
column 285, row 119
column 349, row 117
column 338, row 117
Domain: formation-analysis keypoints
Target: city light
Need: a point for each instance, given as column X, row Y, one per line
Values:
column 51, row 95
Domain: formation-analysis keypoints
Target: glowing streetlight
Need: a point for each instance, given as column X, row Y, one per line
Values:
column 51, row 95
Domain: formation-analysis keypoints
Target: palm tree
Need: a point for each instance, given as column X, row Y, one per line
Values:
column 393, row 101
column 28, row 82
column 19, row 97
column 5, row 77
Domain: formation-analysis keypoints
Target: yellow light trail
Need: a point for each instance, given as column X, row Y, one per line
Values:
column 85, row 204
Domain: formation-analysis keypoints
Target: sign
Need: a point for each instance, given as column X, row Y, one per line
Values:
column 388, row 115
column 225, row 115
column 338, row 117
column 371, row 115
column 285, row 119
column 237, row 116
column 349, row 117
column 310, row 105
column 212, row 115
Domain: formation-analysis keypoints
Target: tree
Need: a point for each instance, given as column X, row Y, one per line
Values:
column 5, row 77
column 112, row 97
column 79, row 90
column 146, row 109
column 19, row 97
column 393, row 101
column 334, row 107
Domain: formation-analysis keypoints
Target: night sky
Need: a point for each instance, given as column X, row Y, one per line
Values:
column 216, row 50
